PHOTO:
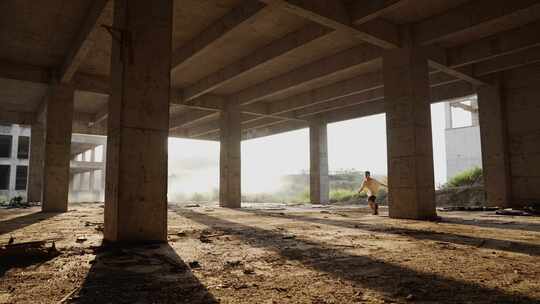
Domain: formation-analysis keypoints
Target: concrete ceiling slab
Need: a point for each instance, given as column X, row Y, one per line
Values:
column 266, row 26
column 21, row 95
column 39, row 32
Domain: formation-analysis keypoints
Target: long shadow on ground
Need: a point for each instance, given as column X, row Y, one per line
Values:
column 19, row 222
column 390, row 279
column 487, row 223
column 141, row 274
column 510, row 246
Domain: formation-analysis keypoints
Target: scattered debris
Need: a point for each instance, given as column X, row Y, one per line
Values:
column 17, row 202
column 513, row 212
column 69, row 295
column 465, row 208
column 249, row 271
column 194, row 264
column 233, row 264
column 192, row 205
column 289, row 236
column 81, row 239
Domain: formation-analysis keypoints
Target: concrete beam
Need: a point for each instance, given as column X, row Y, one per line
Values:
column 347, row 107
column 256, row 60
column 502, row 44
column 472, row 15
column 30, row 73
column 192, row 117
column 9, row 116
column 85, row 40
column 218, row 29
column 333, row 14
column 364, row 11
column 354, row 58
column 507, row 62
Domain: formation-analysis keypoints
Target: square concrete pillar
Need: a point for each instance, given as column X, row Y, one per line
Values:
column 408, row 128
column 319, row 182
column 230, row 193
column 58, row 123
column 35, row 167
column 138, row 122
column 494, row 143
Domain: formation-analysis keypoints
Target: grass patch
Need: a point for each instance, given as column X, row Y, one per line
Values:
column 465, row 178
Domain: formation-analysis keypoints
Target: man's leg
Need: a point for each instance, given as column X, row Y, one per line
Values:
column 373, row 205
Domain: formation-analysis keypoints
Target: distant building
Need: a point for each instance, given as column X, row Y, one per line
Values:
column 462, row 136
column 87, row 166
column 14, row 155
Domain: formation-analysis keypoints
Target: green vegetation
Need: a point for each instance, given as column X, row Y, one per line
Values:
column 466, row 178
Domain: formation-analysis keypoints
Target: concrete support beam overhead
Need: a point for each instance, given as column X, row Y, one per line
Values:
column 136, row 195
column 364, row 11
column 408, row 124
column 464, row 19
column 230, row 194
column 58, row 116
column 35, row 165
column 256, row 60
column 334, row 14
column 217, row 30
column 354, row 58
column 85, row 40
column 319, row 182
column 494, row 143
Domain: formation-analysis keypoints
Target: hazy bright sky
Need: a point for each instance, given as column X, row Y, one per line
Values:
column 353, row 144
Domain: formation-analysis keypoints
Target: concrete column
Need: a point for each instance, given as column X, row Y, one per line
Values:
column 13, row 168
column 494, row 144
column 58, row 123
column 319, row 185
column 91, row 181
column 474, row 114
column 448, row 115
column 230, row 193
column 138, row 122
column 35, row 164
column 408, row 128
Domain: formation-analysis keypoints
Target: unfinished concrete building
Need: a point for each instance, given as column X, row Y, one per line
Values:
column 226, row 70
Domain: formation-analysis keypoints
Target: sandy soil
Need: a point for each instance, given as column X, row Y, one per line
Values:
column 274, row 255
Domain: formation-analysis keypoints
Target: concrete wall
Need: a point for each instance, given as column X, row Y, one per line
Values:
column 522, row 100
column 462, row 149
column 15, row 131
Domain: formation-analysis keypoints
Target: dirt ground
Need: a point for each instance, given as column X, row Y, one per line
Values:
column 277, row 255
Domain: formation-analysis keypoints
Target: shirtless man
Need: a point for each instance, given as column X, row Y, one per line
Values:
column 371, row 186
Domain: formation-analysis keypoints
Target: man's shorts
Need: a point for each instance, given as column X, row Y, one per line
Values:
column 372, row 198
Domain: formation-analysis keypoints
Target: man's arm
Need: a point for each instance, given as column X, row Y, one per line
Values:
column 382, row 184
column 362, row 186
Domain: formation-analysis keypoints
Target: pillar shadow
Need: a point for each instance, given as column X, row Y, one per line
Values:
column 496, row 244
column 140, row 274
column 19, row 222
column 389, row 279
column 486, row 223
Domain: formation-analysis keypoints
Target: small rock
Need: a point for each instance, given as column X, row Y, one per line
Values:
column 410, row 297
column 194, row 264
column 81, row 239
column 249, row 271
